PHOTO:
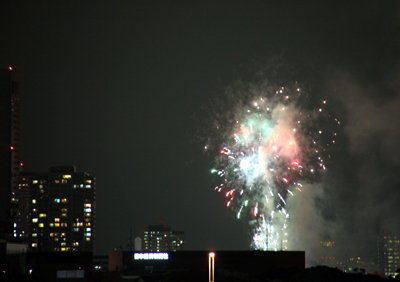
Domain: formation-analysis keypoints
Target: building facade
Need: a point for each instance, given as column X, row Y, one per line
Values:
column 159, row 237
column 57, row 210
column 389, row 254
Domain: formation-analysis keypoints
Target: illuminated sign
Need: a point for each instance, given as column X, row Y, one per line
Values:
column 151, row 256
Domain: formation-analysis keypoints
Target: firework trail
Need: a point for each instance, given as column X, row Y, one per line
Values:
column 270, row 140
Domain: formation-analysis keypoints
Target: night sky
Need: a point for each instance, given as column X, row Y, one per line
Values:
column 112, row 87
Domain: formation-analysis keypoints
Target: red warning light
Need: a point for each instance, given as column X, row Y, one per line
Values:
column 21, row 164
column 10, row 68
column 12, row 148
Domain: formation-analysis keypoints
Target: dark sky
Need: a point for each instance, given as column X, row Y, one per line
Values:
column 110, row 86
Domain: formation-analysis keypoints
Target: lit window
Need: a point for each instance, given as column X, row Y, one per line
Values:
column 64, row 224
column 63, row 249
column 66, row 176
column 56, row 225
column 34, row 245
column 56, row 239
column 87, row 234
column 81, row 185
column 76, row 229
column 88, row 210
column 64, row 181
column 41, row 225
column 56, row 219
column 88, row 224
column 34, row 234
column 75, row 244
column 33, row 201
column 87, row 186
column 87, row 239
column 35, row 182
column 57, row 181
column 34, row 220
column 63, row 244
column 62, row 234
column 57, row 200
column 88, row 229
column 64, row 200
column 87, row 214
column 88, row 205
column 63, row 210
column 88, row 181
column 64, row 214
column 42, row 215
column 34, row 210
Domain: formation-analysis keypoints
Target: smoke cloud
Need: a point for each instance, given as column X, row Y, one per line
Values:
column 358, row 198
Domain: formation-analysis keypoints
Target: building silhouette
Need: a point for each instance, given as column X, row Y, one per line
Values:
column 9, row 149
column 159, row 237
column 57, row 210
column 327, row 254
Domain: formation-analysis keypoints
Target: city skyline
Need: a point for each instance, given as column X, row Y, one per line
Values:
column 112, row 89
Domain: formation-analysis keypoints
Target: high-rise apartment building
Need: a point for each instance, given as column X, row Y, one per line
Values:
column 159, row 238
column 389, row 254
column 9, row 147
column 57, row 210
column 326, row 254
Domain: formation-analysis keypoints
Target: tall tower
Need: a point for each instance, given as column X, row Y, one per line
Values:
column 9, row 146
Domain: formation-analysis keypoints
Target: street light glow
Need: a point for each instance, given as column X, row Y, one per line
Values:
column 211, row 258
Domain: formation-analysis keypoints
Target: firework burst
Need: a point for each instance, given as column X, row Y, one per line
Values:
column 269, row 140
